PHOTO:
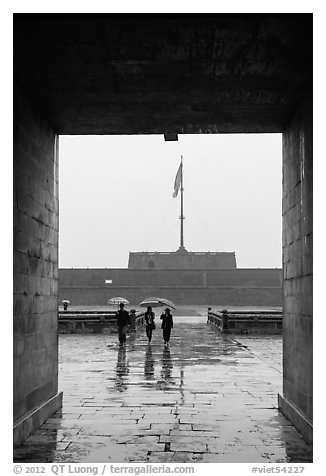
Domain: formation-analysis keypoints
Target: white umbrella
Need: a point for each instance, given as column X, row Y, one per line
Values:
column 65, row 300
column 118, row 300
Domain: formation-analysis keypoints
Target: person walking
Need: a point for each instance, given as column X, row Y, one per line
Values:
column 150, row 322
column 132, row 320
column 122, row 323
column 167, row 324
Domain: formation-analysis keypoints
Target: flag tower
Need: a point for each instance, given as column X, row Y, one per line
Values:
column 178, row 184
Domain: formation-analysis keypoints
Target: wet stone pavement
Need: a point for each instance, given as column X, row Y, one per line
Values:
column 206, row 398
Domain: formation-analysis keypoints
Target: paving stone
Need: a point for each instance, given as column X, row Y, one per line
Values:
column 183, row 457
column 152, row 432
column 168, row 418
column 162, row 427
column 191, row 445
column 207, row 434
column 141, row 439
column 238, row 457
column 161, row 457
column 208, row 427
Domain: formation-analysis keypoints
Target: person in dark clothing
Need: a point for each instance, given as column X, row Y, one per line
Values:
column 132, row 320
column 150, row 322
column 122, row 323
column 167, row 324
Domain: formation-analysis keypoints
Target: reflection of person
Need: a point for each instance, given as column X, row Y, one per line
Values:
column 167, row 324
column 149, row 364
column 122, row 322
column 182, row 400
column 150, row 322
column 167, row 365
column 122, row 370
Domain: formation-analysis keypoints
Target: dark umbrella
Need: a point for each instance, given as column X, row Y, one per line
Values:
column 157, row 302
column 167, row 303
column 152, row 302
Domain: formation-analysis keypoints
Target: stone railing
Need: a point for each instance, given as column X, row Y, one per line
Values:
column 75, row 321
column 247, row 322
column 140, row 319
column 215, row 319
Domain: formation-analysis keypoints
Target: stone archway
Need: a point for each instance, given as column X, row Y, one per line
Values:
column 153, row 75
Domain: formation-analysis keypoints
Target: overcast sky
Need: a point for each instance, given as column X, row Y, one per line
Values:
column 116, row 197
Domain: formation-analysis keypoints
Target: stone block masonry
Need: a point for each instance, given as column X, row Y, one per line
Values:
column 35, row 256
column 182, row 260
column 96, row 277
column 297, row 266
column 236, row 287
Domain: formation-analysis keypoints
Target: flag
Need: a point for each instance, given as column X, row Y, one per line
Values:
column 177, row 181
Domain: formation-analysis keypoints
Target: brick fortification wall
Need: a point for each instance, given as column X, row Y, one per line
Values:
column 297, row 260
column 182, row 260
column 35, row 258
column 256, row 287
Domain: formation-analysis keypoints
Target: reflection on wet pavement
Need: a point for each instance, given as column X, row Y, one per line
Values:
column 149, row 363
column 205, row 398
column 122, row 369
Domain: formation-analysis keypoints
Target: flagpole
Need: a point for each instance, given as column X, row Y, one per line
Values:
column 181, row 216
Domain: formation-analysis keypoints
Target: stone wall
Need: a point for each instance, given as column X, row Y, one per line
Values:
column 297, row 263
column 243, row 287
column 35, row 258
column 182, row 259
column 170, row 277
column 225, row 296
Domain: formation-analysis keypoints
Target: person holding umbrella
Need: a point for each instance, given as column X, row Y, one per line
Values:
column 150, row 323
column 122, row 322
column 65, row 303
column 167, row 324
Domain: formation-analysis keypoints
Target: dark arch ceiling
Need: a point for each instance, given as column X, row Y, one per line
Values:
column 148, row 74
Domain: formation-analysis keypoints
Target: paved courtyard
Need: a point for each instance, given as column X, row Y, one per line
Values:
column 206, row 398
